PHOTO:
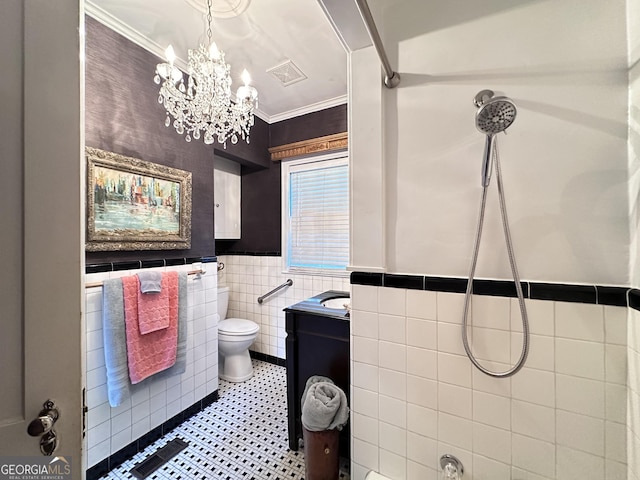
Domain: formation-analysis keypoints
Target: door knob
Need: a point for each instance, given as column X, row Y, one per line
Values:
column 43, row 425
column 40, row 425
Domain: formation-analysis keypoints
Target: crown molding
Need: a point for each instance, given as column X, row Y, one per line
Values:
column 314, row 107
column 127, row 32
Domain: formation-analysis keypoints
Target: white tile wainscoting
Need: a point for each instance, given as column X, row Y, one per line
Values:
column 111, row 429
column 249, row 277
column 416, row 396
column 633, row 395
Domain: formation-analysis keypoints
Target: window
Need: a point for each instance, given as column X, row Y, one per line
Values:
column 316, row 214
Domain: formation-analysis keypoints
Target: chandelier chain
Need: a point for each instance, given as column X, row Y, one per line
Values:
column 209, row 20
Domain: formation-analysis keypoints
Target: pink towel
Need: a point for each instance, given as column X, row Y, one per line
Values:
column 153, row 308
column 156, row 351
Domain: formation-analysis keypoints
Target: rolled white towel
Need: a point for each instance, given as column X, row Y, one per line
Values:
column 325, row 407
column 310, row 381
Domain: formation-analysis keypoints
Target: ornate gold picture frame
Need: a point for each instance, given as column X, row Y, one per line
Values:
column 136, row 205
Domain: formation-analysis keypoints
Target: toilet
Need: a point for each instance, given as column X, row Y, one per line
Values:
column 235, row 336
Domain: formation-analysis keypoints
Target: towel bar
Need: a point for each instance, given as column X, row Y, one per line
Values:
column 99, row 284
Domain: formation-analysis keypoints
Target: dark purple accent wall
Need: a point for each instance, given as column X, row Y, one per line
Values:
column 312, row 125
column 254, row 155
column 261, row 197
column 124, row 116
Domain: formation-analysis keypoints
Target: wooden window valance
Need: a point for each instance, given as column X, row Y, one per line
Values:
column 337, row 141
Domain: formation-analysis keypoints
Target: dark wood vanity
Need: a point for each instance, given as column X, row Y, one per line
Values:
column 317, row 344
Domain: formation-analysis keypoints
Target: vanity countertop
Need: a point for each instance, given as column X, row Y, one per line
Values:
column 314, row 305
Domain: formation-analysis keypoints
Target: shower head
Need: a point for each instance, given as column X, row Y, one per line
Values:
column 495, row 114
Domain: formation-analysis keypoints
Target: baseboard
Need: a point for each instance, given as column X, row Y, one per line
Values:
column 268, row 358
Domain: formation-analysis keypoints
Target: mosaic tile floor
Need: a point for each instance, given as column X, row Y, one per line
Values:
column 242, row 436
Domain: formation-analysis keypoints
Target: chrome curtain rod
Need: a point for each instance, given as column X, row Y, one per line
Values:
column 391, row 79
column 288, row 283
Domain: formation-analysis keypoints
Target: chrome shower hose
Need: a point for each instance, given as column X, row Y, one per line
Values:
column 516, row 278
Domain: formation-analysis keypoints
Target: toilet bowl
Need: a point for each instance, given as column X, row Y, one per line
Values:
column 235, row 336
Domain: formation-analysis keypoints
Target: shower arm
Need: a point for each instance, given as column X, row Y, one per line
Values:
column 391, row 79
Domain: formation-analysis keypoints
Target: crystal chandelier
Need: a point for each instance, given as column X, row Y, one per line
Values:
column 203, row 107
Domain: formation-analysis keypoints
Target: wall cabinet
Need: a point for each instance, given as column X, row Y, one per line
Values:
column 226, row 195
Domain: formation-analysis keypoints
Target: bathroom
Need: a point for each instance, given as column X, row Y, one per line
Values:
column 570, row 164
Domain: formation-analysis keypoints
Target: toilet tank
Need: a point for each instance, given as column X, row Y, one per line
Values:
column 223, row 302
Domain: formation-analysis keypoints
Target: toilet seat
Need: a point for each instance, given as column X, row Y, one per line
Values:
column 237, row 326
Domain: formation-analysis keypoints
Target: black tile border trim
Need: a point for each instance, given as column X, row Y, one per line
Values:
column 564, row 293
column 403, row 281
column 171, row 262
column 151, row 263
column 443, row 284
column 499, row 288
column 634, row 299
column 281, row 362
column 98, row 268
column 366, row 278
column 131, row 265
column 254, row 254
column 590, row 294
column 114, row 461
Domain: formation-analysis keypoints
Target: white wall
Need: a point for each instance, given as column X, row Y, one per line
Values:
column 110, row 429
column 633, row 435
column 633, row 28
column 571, row 178
column 564, row 159
column 249, row 277
column 415, row 395
column 633, row 352
column 633, row 396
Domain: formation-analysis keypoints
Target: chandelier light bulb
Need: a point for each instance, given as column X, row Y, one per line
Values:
column 246, row 78
column 170, row 55
column 214, row 53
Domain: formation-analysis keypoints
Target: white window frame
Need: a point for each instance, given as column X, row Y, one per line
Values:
column 328, row 160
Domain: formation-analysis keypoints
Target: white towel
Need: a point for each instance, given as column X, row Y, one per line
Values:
column 325, row 408
column 115, row 342
column 150, row 281
column 310, row 381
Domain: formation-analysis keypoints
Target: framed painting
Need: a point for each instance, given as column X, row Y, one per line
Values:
column 136, row 205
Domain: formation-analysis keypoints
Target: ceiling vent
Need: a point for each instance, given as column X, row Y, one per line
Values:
column 287, row 73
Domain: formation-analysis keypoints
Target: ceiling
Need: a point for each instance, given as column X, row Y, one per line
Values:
column 266, row 34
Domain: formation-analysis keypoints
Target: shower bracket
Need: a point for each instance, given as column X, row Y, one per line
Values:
column 481, row 97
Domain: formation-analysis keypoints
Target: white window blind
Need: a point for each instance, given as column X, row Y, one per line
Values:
column 318, row 211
